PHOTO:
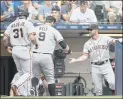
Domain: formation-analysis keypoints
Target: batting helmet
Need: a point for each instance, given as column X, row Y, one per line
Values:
column 50, row 19
column 23, row 12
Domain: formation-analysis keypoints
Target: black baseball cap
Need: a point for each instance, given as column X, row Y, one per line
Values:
column 50, row 19
column 55, row 8
column 92, row 27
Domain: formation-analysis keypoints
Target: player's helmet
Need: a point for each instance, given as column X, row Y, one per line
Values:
column 50, row 19
column 23, row 12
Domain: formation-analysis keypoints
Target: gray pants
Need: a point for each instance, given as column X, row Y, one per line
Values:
column 43, row 63
column 22, row 59
column 99, row 72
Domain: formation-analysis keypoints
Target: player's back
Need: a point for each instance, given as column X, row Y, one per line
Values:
column 19, row 32
column 47, row 37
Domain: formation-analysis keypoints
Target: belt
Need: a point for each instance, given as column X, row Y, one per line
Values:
column 99, row 63
column 21, row 45
column 41, row 53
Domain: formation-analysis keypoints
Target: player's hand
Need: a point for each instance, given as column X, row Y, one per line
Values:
column 120, row 40
column 42, row 76
column 68, row 52
column 9, row 49
column 72, row 60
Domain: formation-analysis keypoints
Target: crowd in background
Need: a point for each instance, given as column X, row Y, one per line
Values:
column 65, row 12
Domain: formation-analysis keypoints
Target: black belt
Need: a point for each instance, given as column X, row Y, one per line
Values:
column 41, row 53
column 99, row 63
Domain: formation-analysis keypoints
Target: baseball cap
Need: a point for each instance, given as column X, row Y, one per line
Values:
column 50, row 19
column 92, row 27
column 55, row 8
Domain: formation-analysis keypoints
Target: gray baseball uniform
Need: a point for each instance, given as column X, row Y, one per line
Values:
column 21, row 89
column 19, row 31
column 47, row 37
column 98, row 51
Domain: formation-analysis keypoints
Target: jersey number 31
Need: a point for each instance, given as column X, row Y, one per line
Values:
column 18, row 32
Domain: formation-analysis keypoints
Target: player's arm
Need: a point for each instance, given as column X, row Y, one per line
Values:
column 32, row 33
column 81, row 58
column 6, row 40
column 60, row 40
column 11, row 92
column 65, row 47
column 32, row 37
column 84, row 55
column 113, row 40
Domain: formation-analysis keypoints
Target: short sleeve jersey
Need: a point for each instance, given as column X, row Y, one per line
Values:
column 98, row 50
column 47, row 38
column 19, row 31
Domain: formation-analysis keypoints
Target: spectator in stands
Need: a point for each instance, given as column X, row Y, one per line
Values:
column 7, row 11
column 98, row 7
column 45, row 11
column 83, row 15
column 38, row 3
column 59, row 3
column 114, row 10
column 16, row 5
column 54, row 3
column 32, row 11
column 57, row 15
column 67, row 9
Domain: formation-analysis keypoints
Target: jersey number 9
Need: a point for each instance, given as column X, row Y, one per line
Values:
column 18, row 32
column 41, row 36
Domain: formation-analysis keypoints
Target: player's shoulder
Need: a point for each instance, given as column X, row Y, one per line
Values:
column 41, row 26
column 88, row 42
column 50, row 28
column 105, row 37
column 9, row 26
column 27, row 21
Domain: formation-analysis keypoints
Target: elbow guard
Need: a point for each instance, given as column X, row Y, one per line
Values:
column 63, row 44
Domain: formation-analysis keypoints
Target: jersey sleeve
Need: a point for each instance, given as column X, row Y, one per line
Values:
column 85, row 48
column 31, row 28
column 7, row 31
column 58, row 36
column 109, row 39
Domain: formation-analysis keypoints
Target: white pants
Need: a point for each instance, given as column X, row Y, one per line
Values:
column 22, row 59
column 100, row 71
column 43, row 63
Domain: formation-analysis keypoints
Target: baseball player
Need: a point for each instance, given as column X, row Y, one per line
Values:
column 20, row 34
column 47, row 37
column 96, row 48
column 21, row 88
